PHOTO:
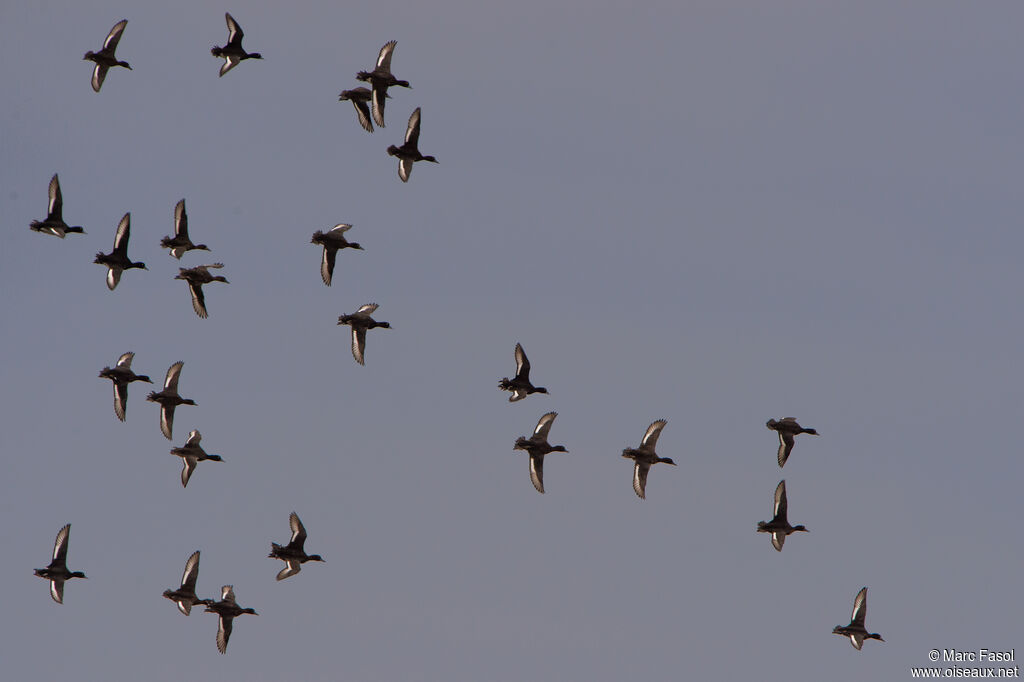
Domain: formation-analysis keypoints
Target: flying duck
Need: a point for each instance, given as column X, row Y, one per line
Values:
column 122, row 375
column 180, row 242
column 332, row 240
column 227, row 609
column 779, row 525
column 191, row 454
column 196, row 278
column 409, row 152
column 855, row 630
column 380, row 80
column 233, row 52
column 105, row 58
column 537, row 445
column 644, row 456
column 293, row 554
column 185, row 596
column 360, row 321
column 169, row 399
column 54, row 223
column 57, row 572
column 520, row 385
column 787, row 429
column 359, row 97
column 117, row 261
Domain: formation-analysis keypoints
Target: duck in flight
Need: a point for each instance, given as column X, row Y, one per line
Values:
column 293, row 554
column 788, row 429
column 855, row 630
column 380, row 79
column 121, row 375
column 169, row 399
column 779, row 525
column 332, row 241
column 232, row 53
column 117, row 261
column 520, row 385
column 196, row 278
column 104, row 59
column 185, row 596
column 409, row 152
column 644, row 456
column 57, row 572
column 180, row 243
column 360, row 321
column 228, row 609
column 191, row 454
column 537, row 445
column 54, row 223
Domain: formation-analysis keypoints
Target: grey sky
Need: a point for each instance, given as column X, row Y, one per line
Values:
column 710, row 212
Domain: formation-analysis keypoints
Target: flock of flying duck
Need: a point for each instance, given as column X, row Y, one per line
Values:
column 369, row 104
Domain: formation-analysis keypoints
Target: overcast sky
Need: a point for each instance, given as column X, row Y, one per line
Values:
column 714, row 213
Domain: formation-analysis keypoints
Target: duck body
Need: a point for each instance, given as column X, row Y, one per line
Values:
column 537, row 446
column 180, row 243
column 409, row 152
column 294, row 553
column 57, row 571
column 54, row 222
column 856, row 630
column 105, row 59
column 121, row 375
column 232, row 53
column 360, row 321
column 191, row 454
column 117, row 261
column 185, row 596
column 332, row 241
column 169, row 399
column 779, row 525
column 360, row 98
column 227, row 609
column 196, row 278
column 644, row 457
column 788, row 429
column 520, row 385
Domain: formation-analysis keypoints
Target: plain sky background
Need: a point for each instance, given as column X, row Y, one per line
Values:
column 710, row 212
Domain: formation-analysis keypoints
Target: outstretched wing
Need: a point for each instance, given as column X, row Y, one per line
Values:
column 188, row 466
column 384, row 57
column 198, row 299
column 290, row 569
column 785, row 447
column 124, row 229
column 653, row 431
column 230, row 62
column 60, row 545
column 379, row 95
column 298, row 530
column 327, row 264
column 363, row 112
column 56, row 206
column 114, row 37
column 544, row 425
column 125, row 361
column 367, row 308
column 412, row 131
column 781, row 505
column 224, row 628
column 173, row 372
column 640, row 470
column 860, row 608
column 537, row 471
column 120, row 399
column 99, row 74
column 522, row 363
column 235, row 33
column 188, row 578
column 404, row 169
column 358, row 344
column 180, row 220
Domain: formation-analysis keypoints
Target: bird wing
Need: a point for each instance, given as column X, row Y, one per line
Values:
column 188, row 578
column 173, row 372
column 114, row 37
column 235, row 33
column 60, row 544
column 781, row 505
column 522, row 363
column 404, row 169
column 857, row 640
column 167, row 421
column 290, row 568
column 113, row 276
column 327, row 264
column 57, row 590
column 412, row 131
column 384, row 57
column 125, row 361
column 180, row 220
column 198, row 299
column 340, row 228
column 363, row 111
column 860, row 608
column 358, row 344
column 785, row 447
column 544, row 426
column 120, row 398
column 227, row 593
column 56, row 205
column 298, row 531
column 537, row 471
column 124, row 230
column 230, row 62
column 640, row 470
column 653, row 431
column 367, row 308
column 224, row 627
column 194, row 438
column 99, row 73
column 380, row 94
column 778, row 539
column 188, row 466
